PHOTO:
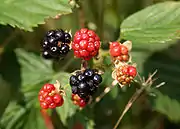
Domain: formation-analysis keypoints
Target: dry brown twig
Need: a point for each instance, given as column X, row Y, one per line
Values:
column 137, row 94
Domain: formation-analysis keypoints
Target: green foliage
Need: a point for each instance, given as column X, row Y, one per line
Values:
column 153, row 31
column 155, row 24
column 26, row 14
column 167, row 106
column 32, row 64
column 68, row 109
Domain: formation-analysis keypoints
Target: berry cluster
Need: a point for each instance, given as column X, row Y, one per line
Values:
column 119, row 51
column 85, row 83
column 124, row 74
column 79, row 101
column 49, row 97
column 56, row 44
column 86, row 44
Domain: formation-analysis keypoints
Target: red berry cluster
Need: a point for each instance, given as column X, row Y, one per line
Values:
column 125, row 74
column 49, row 97
column 86, row 44
column 119, row 51
column 79, row 101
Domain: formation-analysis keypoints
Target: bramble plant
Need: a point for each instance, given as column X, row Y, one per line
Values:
column 66, row 64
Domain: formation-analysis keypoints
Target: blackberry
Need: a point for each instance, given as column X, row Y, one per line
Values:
column 67, row 38
column 52, row 40
column 81, row 77
column 74, row 80
column 60, row 35
column 82, row 95
column 93, row 90
column 83, row 87
column 46, row 55
column 90, row 83
column 97, row 78
column 89, row 73
column 54, row 51
column 45, row 44
column 74, row 89
column 56, row 44
column 64, row 49
column 85, row 83
column 50, row 33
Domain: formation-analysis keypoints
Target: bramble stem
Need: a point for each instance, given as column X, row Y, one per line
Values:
column 47, row 119
column 84, row 65
column 129, row 104
column 106, row 90
column 135, row 96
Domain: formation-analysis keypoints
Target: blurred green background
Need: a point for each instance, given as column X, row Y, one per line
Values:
column 23, row 71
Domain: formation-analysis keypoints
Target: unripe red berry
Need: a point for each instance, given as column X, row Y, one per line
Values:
column 48, row 100
column 119, row 51
column 85, row 44
column 57, row 98
column 52, row 105
column 43, row 105
column 60, row 103
column 41, row 98
column 125, row 74
column 132, row 71
column 49, row 97
column 48, row 87
column 115, row 51
column 82, row 103
column 124, row 50
column 114, row 44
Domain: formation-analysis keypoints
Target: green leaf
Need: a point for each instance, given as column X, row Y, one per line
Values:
column 167, row 63
column 26, row 14
column 5, row 96
column 17, row 117
column 167, row 106
column 154, row 24
column 68, row 109
column 10, row 80
column 34, row 69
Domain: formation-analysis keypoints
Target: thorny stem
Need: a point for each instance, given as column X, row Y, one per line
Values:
column 47, row 119
column 106, row 90
column 129, row 104
column 135, row 96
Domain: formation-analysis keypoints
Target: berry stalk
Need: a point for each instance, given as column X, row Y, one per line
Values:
column 47, row 119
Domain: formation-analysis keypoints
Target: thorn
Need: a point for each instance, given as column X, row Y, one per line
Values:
column 121, row 85
column 100, row 72
column 161, row 84
column 115, row 82
column 150, row 77
column 152, row 94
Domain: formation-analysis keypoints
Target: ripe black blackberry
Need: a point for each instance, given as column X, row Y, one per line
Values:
column 85, row 83
column 55, row 44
